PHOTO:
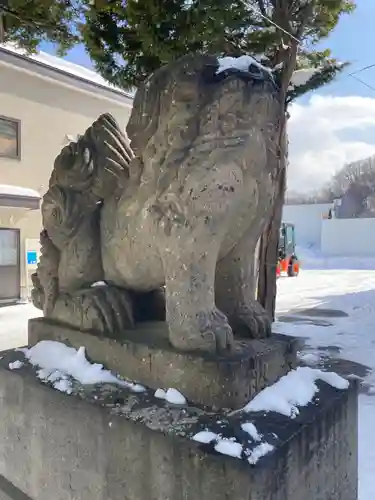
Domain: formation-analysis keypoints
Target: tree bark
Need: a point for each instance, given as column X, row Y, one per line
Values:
column 268, row 252
column 2, row 30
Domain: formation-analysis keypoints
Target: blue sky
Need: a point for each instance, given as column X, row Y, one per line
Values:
column 354, row 41
column 76, row 55
column 335, row 124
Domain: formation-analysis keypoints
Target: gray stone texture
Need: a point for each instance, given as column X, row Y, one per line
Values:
column 183, row 206
column 5, row 496
column 144, row 355
column 59, row 447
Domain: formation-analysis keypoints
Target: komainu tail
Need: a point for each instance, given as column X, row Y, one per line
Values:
column 98, row 163
column 87, row 173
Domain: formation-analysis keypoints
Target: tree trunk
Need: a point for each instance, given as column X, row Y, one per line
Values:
column 268, row 253
column 2, row 30
column 287, row 55
column 269, row 249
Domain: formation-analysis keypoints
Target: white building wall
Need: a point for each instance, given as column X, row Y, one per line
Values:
column 47, row 112
column 349, row 237
column 308, row 222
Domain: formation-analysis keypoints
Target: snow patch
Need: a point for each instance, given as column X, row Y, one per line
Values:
column 252, row 430
column 8, row 190
column 259, row 452
column 173, row 396
column 160, row 394
column 302, row 76
column 295, row 389
column 309, row 358
column 228, row 447
column 241, row 63
column 63, row 385
column 15, row 365
column 99, row 283
column 58, row 364
column 205, row 437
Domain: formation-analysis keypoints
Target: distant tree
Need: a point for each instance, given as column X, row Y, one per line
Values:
column 324, row 194
column 354, row 183
column 359, row 175
column 307, row 199
column 356, row 179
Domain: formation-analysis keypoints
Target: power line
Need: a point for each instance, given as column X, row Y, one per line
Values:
column 363, row 69
column 352, row 75
column 361, row 81
column 256, row 11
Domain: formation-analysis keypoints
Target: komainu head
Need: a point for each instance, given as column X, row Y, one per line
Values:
column 200, row 98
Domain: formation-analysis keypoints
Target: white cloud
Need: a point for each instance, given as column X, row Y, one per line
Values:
column 317, row 148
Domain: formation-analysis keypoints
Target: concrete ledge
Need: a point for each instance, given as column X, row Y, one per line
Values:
column 58, row 447
column 228, row 381
column 10, row 492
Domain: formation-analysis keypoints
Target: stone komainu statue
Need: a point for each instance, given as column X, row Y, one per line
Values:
column 170, row 222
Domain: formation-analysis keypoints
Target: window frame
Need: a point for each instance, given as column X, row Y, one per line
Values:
column 17, row 123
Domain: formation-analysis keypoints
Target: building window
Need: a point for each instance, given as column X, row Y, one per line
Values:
column 9, row 138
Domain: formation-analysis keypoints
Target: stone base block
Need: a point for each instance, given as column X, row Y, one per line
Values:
column 86, row 447
column 145, row 355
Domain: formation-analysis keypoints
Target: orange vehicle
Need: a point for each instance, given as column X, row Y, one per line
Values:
column 287, row 264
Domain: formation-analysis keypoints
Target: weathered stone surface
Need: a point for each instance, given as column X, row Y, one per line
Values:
column 9, row 492
column 183, row 206
column 146, row 356
column 86, row 447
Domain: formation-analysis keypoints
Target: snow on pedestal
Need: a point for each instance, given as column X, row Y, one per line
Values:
column 58, row 364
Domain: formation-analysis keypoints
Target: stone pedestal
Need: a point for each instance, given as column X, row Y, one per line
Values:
column 145, row 355
column 109, row 444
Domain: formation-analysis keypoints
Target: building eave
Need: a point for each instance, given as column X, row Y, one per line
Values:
column 25, row 202
column 39, row 69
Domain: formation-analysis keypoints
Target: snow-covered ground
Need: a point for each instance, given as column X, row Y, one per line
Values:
column 345, row 285
column 13, row 325
column 343, row 290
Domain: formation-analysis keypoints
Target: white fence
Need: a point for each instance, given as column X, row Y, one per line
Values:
column 307, row 220
column 348, row 237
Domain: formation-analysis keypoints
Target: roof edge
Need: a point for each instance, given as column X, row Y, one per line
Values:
column 25, row 202
column 63, row 76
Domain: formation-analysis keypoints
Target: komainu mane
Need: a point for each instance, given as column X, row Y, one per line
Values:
column 166, row 227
